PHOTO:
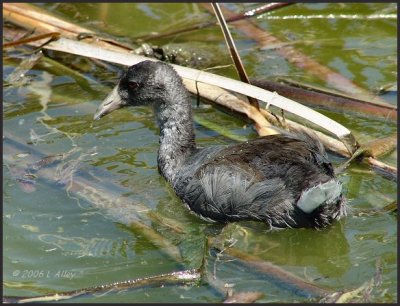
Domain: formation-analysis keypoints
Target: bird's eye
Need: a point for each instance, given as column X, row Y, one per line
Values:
column 133, row 85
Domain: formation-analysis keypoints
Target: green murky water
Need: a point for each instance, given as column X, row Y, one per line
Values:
column 55, row 239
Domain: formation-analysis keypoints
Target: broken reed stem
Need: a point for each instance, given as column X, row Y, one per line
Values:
column 269, row 7
column 330, row 100
column 52, row 35
column 19, row 73
column 31, row 17
column 186, row 277
column 332, row 78
column 372, row 149
column 383, row 169
column 233, row 51
column 270, row 270
column 380, row 146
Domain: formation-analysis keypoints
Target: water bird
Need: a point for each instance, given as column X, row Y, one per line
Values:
column 284, row 180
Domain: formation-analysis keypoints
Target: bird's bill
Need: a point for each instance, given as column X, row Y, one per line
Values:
column 112, row 102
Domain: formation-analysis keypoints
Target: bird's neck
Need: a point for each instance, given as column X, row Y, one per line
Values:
column 177, row 140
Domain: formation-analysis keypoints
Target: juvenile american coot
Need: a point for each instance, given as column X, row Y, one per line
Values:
column 284, row 180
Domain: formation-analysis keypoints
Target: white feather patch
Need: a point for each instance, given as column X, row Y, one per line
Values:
column 320, row 194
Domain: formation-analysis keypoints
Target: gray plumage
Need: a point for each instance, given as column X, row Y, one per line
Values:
column 284, row 180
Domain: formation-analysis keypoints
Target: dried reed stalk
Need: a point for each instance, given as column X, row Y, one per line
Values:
column 297, row 58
